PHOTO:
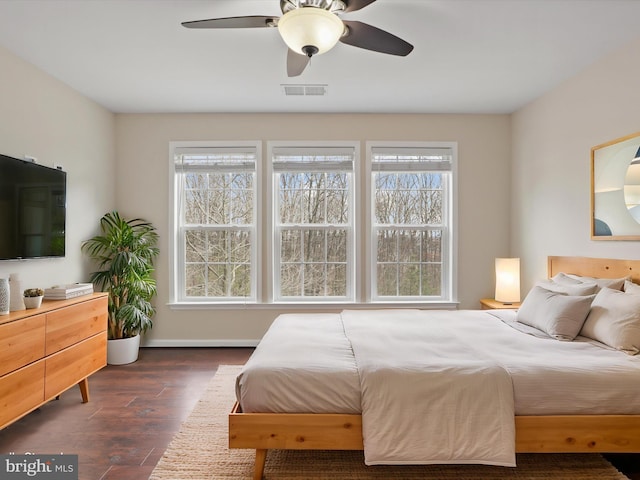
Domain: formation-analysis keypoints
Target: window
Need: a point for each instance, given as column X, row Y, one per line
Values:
column 215, row 223
column 315, row 228
column 411, row 219
column 313, row 223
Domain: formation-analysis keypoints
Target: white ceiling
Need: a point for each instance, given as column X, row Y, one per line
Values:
column 470, row 56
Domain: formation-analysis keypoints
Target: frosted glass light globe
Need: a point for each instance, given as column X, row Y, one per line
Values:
column 310, row 30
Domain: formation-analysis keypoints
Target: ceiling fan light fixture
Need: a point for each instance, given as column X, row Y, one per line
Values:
column 310, row 30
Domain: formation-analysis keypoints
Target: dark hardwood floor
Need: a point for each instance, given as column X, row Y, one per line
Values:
column 134, row 412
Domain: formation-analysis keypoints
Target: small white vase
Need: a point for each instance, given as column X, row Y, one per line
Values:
column 123, row 350
column 4, row 296
column 17, row 300
column 33, row 302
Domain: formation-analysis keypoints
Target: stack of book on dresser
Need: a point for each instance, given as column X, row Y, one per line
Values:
column 63, row 292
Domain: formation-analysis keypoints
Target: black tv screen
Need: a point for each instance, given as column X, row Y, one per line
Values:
column 32, row 210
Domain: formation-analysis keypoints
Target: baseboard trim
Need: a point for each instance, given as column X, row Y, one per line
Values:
column 200, row 343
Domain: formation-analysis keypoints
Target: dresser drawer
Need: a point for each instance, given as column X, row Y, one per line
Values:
column 21, row 391
column 73, row 324
column 69, row 366
column 21, row 343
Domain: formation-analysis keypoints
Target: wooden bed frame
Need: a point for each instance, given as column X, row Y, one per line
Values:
column 534, row 434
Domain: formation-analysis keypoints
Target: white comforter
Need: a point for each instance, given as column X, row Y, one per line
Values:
column 427, row 395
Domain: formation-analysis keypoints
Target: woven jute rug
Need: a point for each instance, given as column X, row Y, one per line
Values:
column 199, row 451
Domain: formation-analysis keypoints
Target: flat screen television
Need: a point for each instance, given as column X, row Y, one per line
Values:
column 32, row 210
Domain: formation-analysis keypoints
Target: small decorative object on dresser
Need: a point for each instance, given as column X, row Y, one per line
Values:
column 16, row 302
column 64, row 292
column 33, row 297
column 4, row 296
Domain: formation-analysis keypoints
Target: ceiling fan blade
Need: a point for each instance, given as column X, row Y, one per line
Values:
column 296, row 63
column 368, row 37
column 254, row 21
column 353, row 5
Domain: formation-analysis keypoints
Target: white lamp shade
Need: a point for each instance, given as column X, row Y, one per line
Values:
column 507, row 280
column 310, row 26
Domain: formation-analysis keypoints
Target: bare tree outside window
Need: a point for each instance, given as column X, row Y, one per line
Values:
column 409, row 206
column 313, row 224
column 326, row 241
column 218, row 224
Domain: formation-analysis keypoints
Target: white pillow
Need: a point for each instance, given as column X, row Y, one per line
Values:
column 614, row 283
column 578, row 289
column 565, row 279
column 557, row 314
column 615, row 320
column 632, row 288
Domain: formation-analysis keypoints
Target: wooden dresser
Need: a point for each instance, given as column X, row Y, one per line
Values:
column 45, row 351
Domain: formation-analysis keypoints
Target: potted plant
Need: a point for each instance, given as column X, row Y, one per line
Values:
column 124, row 252
column 33, row 297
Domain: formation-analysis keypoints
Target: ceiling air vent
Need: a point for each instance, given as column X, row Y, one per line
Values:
column 305, row 90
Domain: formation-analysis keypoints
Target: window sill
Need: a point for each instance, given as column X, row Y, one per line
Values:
column 311, row 306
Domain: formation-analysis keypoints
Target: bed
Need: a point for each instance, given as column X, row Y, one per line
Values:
column 338, row 425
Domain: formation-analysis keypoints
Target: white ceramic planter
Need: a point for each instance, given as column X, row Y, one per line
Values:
column 123, row 351
column 32, row 302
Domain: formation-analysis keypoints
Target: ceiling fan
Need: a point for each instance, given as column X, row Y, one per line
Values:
column 313, row 27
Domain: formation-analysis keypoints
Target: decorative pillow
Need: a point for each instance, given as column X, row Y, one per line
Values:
column 613, row 283
column 577, row 289
column 632, row 288
column 557, row 314
column 615, row 320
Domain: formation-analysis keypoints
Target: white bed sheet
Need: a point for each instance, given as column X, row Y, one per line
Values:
column 304, row 364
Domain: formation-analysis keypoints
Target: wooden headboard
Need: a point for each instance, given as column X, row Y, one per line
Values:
column 594, row 267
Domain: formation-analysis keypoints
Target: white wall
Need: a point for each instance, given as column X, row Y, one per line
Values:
column 44, row 118
column 143, row 178
column 552, row 140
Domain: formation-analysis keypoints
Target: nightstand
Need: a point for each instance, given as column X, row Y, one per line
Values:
column 490, row 304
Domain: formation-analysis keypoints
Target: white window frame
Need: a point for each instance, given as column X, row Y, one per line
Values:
column 449, row 272
column 273, row 245
column 177, row 267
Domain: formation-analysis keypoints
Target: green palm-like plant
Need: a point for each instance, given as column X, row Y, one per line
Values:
column 124, row 253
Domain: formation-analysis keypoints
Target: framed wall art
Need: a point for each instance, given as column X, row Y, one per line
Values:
column 615, row 189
